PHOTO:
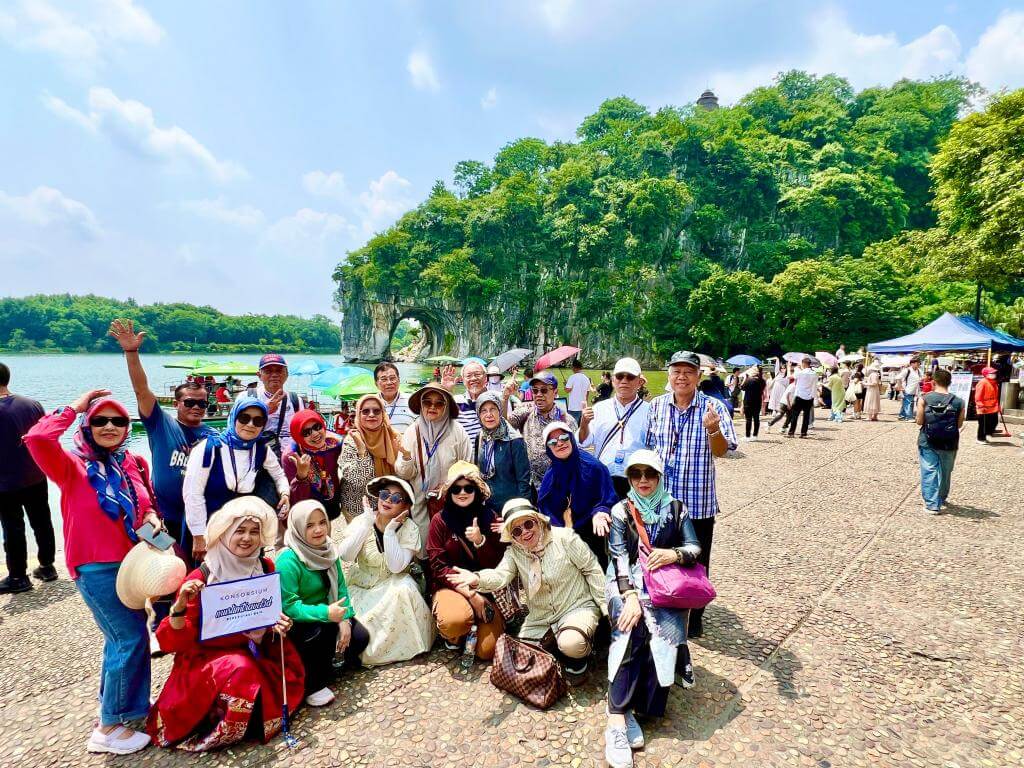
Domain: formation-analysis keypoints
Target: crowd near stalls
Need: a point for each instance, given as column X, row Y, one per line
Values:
column 539, row 518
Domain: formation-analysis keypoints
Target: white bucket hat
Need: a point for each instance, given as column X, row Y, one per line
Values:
column 646, row 458
column 148, row 572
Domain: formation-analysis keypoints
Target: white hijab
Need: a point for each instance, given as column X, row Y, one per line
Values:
column 222, row 563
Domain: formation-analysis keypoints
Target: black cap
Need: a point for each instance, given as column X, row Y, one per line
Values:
column 685, row 358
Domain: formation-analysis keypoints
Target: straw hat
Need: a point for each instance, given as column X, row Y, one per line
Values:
column 374, row 486
column 148, row 572
column 433, row 386
column 464, row 469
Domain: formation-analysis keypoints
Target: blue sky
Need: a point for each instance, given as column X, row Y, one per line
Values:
column 230, row 153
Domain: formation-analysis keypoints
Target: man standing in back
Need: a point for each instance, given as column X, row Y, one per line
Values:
column 474, row 378
column 281, row 403
column 22, row 492
column 396, row 403
column 910, row 378
column 578, row 387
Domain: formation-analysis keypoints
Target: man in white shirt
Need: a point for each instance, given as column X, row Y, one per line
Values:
column 616, row 427
column 474, row 378
column 911, row 382
column 396, row 403
column 281, row 403
column 578, row 387
column 806, row 381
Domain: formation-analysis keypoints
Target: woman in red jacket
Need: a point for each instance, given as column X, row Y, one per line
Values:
column 986, row 403
column 104, row 498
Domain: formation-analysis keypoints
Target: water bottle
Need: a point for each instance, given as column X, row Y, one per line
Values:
column 469, row 651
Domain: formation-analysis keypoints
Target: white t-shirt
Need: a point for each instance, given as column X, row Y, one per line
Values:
column 806, row 383
column 911, row 381
column 578, row 386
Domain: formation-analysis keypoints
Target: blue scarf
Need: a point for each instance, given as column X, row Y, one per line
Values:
column 231, row 438
column 580, row 481
column 108, row 477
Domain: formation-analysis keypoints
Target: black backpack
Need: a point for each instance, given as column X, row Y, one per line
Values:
column 940, row 424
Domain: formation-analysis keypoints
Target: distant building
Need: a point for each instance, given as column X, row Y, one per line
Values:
column 708, row 101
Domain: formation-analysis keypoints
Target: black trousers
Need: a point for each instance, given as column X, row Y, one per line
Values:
column 753, row 420
column 782, row 413
column 598, row 544
column 800, row 406
column 987, row 423
column 705, row 530
column 14, row 507
column 316, row 642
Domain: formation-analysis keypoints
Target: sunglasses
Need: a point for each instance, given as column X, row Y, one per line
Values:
column 315, row 427
column 643, row 474
column 245, row 418
column 541, row 390
column 625, row 377
column 188, row 402
column 528, row 525
column 102, row 421
column 370, row 411
column 562, row 438
column 464, row 488
column 431, row 403
column 393, row 498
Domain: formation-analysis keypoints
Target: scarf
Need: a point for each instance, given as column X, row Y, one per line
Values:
column 322, row 558
column 653, row 509
column 321, row 479
column 105, row 470
column 223, row 564
column 380, row 442
column 431, row 433
column 534, row 568
column 490, row 437
column 457, row 518
column 580, row 482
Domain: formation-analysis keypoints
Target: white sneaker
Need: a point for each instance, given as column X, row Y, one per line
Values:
column 320, row 698
column 120, row 741
column 983, row 442
column 616, row 748
column 753, row 439
column 634, row 733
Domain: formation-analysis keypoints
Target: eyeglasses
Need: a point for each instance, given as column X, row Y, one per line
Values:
column 432, row 403
column 562, row 438
column 519, row 530
column 387, row 379
column 625, row 377
column 541, row 390
column 463, row 489
column 388, row 496
column 102, row 421
column 643, row 474
column 314, row 427
column 245, row 418
column 370, row 411
column 188, row 402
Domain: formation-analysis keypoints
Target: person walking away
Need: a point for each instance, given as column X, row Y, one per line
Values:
column 778, row 388
column 910, row 380
column 578, row 388
column 22, row 492
column 873, row 391
column 396, row 402
column 753, row 395
column 803, row 401
column 616, row 427
column 838, row 391
column 689, row 430
column 986, row 403
column 785, row 405
column 733, row 385
column 940, row 415
column 281, row 404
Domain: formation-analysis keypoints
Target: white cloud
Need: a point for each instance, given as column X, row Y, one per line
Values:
column 376, row 207
column 243, row 216
column 48, row 207
column 326, row 184
column 422, row 72
column 131, row 125
column 305, row 226
column 82, row 37
column 997, row 61
column 490, row 99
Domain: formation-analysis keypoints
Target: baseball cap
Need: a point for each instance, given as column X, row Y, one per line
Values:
column 272, row 359
column 684, row 358
column 627, row 365
column 493, row 370
column 545, row 377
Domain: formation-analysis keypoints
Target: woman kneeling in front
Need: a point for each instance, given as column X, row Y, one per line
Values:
column 645, row 640
column 224, row 688
column 564, row 586
column 316, row 598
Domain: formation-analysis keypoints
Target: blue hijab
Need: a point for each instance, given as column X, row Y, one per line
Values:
column 231, row 438
column 580, row 481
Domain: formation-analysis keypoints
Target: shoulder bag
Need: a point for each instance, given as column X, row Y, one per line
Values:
column 434, row 497
column 528, row 672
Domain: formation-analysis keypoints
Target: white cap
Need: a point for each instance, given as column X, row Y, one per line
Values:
column 627, row 365
column 646, row 458
column 493, row 370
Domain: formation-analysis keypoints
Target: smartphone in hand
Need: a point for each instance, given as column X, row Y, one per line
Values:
column 161, row 540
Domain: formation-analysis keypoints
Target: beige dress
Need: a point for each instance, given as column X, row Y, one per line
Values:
column 385, row 597
column 873, row 394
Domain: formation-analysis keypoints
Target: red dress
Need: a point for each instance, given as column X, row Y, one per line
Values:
column 207, row 701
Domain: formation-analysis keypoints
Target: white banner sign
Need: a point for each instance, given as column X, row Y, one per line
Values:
column 239, row 606
column 961, row 386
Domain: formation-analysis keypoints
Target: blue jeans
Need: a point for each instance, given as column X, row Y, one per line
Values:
column 936, row 469
column 124, row 676
column 907, row 406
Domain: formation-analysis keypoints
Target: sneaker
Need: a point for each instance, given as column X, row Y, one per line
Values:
column 450, row 646
column 45, row 573
column 616, row 748
column 684, row 668
column 634, row 734
column 120, row 741
column 576, row 667
column 320, row 698
column 930, row 511
column 983, row 442
column 753, row 439
column 14, row 584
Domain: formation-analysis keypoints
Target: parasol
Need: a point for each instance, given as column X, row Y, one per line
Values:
column 708, row 361
column 743, row 360
column 509, row 358
column 556, row 356
column 190, row 362
column 353, row 386
column 794, row 357
column 312, row 367
column 851, row 357
column 332, row 376
column 826, row 357
column 442, row 360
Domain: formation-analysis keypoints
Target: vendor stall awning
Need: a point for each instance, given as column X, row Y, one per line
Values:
column 948, row 333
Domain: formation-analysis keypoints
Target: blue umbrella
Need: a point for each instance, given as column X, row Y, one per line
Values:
column 743, row 360
column 332, row 376
column 312, row 367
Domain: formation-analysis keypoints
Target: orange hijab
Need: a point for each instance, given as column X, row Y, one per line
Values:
column 379, row 442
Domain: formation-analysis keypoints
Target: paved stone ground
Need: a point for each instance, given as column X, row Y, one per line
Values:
column 851, row 629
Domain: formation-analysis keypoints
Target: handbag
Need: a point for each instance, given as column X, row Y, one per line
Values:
column 672, row 586
column 528, row 672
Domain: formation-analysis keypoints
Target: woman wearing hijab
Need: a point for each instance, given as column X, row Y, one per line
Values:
column 429, row 447
column 370, row 450
column 224, row 467
column 646, row 641
column 463, row 535
column 500, row 453
column 562, row 580
column 386, row 598
column 316, row 598
column 104, row 498
column 577, row 490
column 311, row 462
column 873, row 391
column 222, row 688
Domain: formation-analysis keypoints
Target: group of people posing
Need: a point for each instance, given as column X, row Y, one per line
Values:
column 463, row 516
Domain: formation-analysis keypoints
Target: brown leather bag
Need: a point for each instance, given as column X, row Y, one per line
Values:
column 528, row 672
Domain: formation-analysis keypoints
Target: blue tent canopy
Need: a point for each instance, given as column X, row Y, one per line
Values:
column 949, row 333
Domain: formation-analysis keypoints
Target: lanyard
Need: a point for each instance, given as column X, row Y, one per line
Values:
column 624, row 419
column 234, row 468
column 677, row 427
column 394, row 406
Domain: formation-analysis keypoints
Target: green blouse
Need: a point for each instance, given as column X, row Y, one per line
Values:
column 304, row 591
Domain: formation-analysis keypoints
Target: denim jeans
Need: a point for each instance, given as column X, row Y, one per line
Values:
column 125, row 674
column 907, row 406
column 936, row 469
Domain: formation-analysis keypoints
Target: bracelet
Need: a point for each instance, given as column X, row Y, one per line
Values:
column 178, row 615
column 716, row 432
column 482, row 542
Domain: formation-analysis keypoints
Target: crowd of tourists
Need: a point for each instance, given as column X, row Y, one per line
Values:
column 472, row 517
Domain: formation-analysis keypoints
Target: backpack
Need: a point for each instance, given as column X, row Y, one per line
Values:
column 940, row 424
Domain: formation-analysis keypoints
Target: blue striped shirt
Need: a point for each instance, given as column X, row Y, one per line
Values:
column 681, row 440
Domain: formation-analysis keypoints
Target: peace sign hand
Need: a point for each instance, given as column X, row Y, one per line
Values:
column 302, row 464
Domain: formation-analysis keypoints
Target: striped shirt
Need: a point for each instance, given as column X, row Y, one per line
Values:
column 468, row 418
column 681, row 440
column 398, row 412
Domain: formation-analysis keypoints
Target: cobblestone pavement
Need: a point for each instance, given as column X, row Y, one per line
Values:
column 850, row 629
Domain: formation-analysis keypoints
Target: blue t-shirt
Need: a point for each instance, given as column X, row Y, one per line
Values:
column 170, row 442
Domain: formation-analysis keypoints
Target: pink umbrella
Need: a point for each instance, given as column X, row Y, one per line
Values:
column 555, row 356
column 827, row 358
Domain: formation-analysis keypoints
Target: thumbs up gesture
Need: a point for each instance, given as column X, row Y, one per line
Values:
column 474, row 534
